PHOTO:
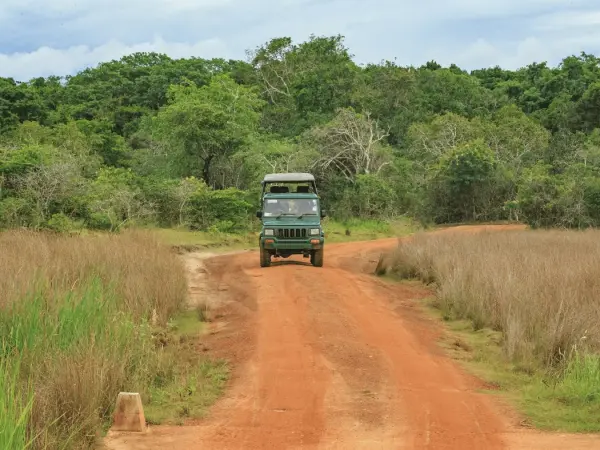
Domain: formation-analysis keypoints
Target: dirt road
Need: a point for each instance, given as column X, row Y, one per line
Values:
column 334, row 358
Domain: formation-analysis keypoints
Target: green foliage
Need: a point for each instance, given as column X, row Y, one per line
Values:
column 13, row 212
column 210, row 122
column 224, row 211
column 462, row 182
column 369, row 197
column 291, row 76
column 116, row 200
column 61, row 223
column 375, row 136
column 20, row 160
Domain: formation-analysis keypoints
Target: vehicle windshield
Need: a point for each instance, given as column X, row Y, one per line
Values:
column 290, row 206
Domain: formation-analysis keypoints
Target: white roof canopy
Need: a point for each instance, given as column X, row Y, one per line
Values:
column 288, row 178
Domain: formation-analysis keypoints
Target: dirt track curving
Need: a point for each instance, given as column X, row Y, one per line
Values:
column 334, row 358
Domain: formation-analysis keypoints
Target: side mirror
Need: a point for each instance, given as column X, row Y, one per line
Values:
column 259, row 214
column 323, row 214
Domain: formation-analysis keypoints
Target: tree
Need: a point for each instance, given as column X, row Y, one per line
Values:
column 461, row 182
column 305, row 83
column 51, row 189
column 517, row 139
column 269, row 154
column 379, row 137
column 185, row 192
column 18, row 103
column 389, row 93
column 209, row 122
column 351, row 144
column 115, row 199
column 427, row 142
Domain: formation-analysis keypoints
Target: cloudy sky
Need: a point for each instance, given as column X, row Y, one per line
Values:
column 60, row 37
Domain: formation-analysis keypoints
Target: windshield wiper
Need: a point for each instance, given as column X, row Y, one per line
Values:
column 306, row 214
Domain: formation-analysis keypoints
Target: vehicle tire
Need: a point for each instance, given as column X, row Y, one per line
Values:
column 265, row 258
column 317, row 258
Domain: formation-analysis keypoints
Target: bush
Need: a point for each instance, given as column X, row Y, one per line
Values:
column 462, row 187
column 63, row 224
column 14, row 212
column 228, row 210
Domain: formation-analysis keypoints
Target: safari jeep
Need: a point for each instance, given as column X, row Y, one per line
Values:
column 291, row 218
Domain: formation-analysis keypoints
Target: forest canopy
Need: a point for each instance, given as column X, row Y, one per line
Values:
column 153, row 140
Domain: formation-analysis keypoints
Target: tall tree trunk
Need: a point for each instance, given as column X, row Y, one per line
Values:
column 206, row 170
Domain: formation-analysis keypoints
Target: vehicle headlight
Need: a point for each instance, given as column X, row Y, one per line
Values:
column 268, row 232
column 315, row 231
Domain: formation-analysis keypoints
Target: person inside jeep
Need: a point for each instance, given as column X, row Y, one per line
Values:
column 296, row 207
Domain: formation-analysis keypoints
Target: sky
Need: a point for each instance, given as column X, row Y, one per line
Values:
column 61, row 37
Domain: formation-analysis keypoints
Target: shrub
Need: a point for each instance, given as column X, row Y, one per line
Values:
column 61, row 223
column 228, row 210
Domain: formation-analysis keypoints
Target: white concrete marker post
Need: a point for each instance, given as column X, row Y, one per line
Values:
column 129, row 413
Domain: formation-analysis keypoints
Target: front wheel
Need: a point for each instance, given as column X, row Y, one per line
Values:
column 317, row 258
column 265, row 258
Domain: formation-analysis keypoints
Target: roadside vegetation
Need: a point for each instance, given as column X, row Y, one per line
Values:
column 526, row 304
column 148, row 140
column 81, row 319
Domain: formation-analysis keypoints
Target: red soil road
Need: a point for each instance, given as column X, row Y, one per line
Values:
column 334, row 358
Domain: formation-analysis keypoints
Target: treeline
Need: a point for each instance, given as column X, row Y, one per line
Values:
column 149, row 139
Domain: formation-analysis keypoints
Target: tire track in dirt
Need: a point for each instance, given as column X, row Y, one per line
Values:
column 442, row 409
column 334, row 358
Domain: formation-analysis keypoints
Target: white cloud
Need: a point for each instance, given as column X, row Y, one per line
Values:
column 63, row 36
column 70, row 6
column 568, row 20
column 48, row 61
column 514, row 55
column 503, row 8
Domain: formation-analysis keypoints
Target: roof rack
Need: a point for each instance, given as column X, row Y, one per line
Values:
column 289, row 178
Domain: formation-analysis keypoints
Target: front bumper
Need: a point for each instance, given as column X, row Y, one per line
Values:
column 274, row 243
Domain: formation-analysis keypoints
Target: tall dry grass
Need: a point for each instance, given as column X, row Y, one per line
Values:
column 75, row 312
column 145, row 274
column 540, row 288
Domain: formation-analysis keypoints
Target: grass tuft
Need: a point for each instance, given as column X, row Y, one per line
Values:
column 187, row 383
column 16, row 402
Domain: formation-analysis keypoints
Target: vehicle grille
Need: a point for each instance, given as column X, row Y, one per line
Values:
column 292, row 233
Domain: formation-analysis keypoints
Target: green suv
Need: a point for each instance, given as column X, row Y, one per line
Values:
column 291, row 218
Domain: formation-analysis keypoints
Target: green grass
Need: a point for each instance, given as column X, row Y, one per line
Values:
column 192, row 390
column 106, row 351
column 569, row 403
column 15, row 407
column 188, row 382
column 365, row 230
column 189, row 323
column 335, row 232
column 202, row 240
